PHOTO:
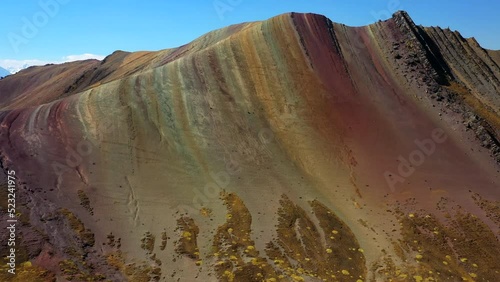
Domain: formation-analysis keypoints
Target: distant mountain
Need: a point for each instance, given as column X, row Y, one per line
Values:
column 16, row 68
column 4, row 72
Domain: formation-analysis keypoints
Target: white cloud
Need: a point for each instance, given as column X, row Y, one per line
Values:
column 16, row 65
column 85, row 56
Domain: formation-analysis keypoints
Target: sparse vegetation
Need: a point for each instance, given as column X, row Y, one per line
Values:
column 148, row 242
column 85, row 201
column 188, row 242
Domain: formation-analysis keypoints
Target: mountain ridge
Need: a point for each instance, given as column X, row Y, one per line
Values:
column 400, row 14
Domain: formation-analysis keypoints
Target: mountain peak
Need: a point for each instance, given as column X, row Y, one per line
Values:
column 4, row 72
column 401, row 13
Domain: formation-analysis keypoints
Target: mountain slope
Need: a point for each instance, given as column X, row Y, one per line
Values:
column 284, row 150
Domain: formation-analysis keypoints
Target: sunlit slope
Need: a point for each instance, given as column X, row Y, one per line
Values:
column 289, row 149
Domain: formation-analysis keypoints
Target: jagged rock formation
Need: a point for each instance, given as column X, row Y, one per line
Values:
column 292, row 149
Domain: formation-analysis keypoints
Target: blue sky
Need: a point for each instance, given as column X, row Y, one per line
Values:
column 63, row 30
